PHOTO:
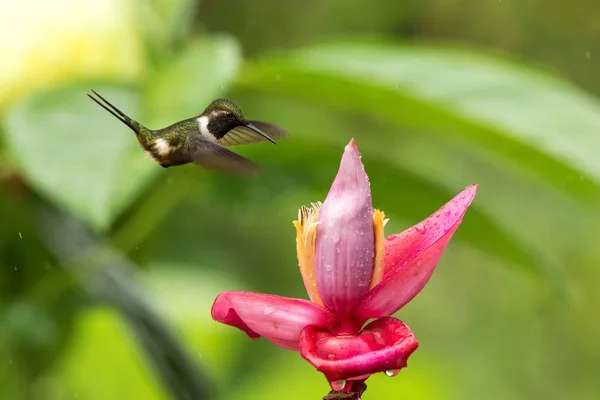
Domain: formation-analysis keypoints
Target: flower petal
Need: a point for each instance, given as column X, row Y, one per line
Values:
column 344, row 248
column 411, row 258
column 278, row 319
column 385, row 344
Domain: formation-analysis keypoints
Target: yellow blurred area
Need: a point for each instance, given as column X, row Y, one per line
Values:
column 44, row 43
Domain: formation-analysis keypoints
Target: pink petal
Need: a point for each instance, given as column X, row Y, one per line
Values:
column 278, row 319
column 411, row 258
column 383, row 345
column 344, row 249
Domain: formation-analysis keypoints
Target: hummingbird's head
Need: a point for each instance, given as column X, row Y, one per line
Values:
column 223, row 115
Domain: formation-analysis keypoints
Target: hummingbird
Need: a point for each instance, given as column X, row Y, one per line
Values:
column 201, row 139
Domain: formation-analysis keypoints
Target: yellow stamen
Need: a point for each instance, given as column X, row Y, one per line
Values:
column 306, row 235
column 379, row 222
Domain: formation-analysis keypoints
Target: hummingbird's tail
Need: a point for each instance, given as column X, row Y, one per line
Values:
column 134, row 125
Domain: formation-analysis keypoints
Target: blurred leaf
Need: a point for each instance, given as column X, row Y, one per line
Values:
column 77, row 154
column 293, row 378
column 165, row 23
column 447, row 133
column 539, row 122
column 410, row 178
column 188, row 83
column 185, row 294
column 103, row 363
column 157, row 203
column 105, row 275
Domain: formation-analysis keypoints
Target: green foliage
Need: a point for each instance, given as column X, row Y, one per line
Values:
column 200, row 72
column 428, row 119
column 476, row 99
column 73, row 152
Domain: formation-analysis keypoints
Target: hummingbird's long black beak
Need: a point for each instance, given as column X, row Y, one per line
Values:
column 261, row 133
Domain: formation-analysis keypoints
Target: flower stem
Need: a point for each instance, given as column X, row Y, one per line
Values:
column 352, row 391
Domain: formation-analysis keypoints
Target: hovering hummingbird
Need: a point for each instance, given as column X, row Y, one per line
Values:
column 201, row 139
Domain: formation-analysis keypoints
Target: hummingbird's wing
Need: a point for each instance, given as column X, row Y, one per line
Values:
column 244, row 135
column 216, row 157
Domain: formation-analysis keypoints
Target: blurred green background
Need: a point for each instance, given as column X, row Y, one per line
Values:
column 109, row 264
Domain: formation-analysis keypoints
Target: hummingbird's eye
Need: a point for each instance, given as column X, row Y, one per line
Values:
column 229, row 114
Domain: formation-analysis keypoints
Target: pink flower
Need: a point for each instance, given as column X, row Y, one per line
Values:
column 352, row 274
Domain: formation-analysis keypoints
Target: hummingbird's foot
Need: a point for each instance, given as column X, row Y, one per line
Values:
column 164, row 165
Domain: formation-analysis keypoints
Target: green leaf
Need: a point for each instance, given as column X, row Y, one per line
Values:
column 164, row 23
column 78, row 155
column 118, row 371
column 184, row 295
column 437, row 120
column 537, row 121
column 104, row 275
column 187, row 84
column 514, row 217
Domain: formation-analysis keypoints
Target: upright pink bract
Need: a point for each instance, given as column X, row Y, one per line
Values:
column 344, row 250
column 351, row 274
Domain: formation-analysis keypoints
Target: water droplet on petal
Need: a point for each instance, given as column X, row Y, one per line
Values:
column 328, row 268
column 335, row 238
column 269, row 310
column 420, row 228
column 338, row 385
column 392, row 372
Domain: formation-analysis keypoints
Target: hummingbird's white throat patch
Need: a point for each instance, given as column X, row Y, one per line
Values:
column 162, row 146
column 203, row 127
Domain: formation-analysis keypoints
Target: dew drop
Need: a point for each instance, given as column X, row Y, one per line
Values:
column 420, row 228
column 328, row 268
column 269, row 310
column 338, row 385
column 20, row 235
column 335, row 238
column 392, row 372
